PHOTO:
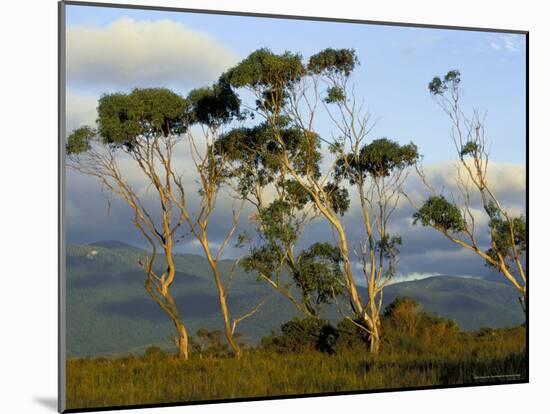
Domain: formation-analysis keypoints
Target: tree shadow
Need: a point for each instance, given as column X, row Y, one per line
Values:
column 48, row 402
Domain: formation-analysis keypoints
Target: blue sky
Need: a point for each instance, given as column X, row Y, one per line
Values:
column 396, row 65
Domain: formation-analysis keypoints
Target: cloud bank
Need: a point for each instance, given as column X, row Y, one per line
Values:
column 424, row 252
column 131, row 53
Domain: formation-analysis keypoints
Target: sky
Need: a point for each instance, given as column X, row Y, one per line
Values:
column 111, row 50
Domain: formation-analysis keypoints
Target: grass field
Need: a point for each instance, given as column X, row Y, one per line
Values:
column 472, row 358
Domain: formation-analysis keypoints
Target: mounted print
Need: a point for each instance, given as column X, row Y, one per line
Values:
column 257, row 206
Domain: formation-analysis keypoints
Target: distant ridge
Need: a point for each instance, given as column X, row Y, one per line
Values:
column 109, row 311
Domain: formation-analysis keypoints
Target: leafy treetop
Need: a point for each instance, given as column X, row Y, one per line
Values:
column 438, row 86
column 378, row 159
column 215, row 105
column 333, row 62
column 79, row 140
column 503, row 243
column 441, row 214
column 153, row 112
column 266, row 69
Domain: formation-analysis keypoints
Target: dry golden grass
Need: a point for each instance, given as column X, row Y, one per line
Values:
column 161, row 378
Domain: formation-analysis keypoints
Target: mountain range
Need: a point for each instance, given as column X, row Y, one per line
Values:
column 109, row 312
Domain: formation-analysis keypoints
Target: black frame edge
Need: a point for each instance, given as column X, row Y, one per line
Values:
column 61, row 291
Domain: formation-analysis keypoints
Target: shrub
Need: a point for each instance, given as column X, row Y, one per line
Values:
column 350, row 336
column 210, row 343
column 404, row 315
column 410, row 329
column 300, row 335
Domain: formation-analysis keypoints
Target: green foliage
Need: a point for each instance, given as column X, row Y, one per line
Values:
column 333, row 62
column 143, row 113
column 255, row 154
column 294, row 194
column 318, row 275
column 338, row 197
column 316, row 272
column 503, row 238
column 453, row 76
column 305, row 151
column 383, row 156
column 269, row 73
column 79, row 140
column 380, row 158
column 214, row 106
column 438, row 86
column 351, row 336
column 274, row 220
column 252, row 155
column 469, row 148
column 255, row 157
column 335, row 94
column 302, row 335
column 263, row 68
column 388, row 245
column 441, row 214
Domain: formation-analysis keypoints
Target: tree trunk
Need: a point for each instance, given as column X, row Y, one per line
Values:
column 374, row 342
column 374, row 336
column 166, row 302
column 182, row 342
column 227, row 322
column 223, row 301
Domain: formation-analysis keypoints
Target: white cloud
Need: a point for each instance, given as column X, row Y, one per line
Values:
column 506, row 180
column 144, row 53
column 409, row 277
column 508, row 42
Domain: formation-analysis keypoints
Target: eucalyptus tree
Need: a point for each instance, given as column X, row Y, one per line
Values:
column 375, row 169
column 456, row 219
column 282, row 212
column 285, row 88
column 211, row 108
column 144, row 127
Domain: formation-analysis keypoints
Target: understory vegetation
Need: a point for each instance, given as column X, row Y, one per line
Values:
column 306, row 356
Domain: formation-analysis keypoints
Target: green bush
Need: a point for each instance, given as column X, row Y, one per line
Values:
column 301, row 335
column 350, row 336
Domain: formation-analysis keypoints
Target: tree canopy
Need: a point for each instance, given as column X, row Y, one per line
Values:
column 123, row 118
column 214, row 105
column 439, row 86
column 438, row 212
column 378, row 159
